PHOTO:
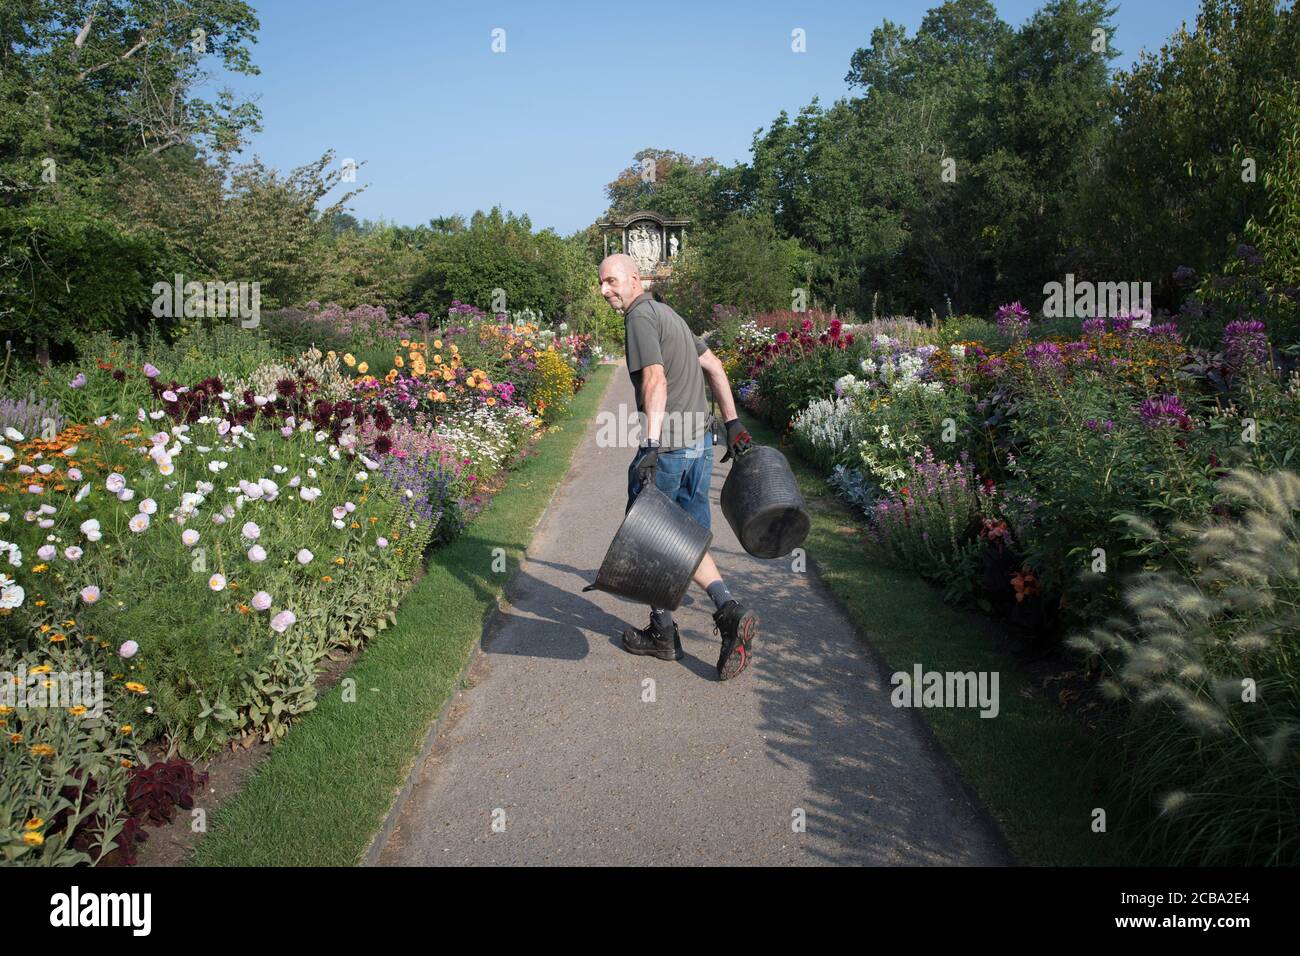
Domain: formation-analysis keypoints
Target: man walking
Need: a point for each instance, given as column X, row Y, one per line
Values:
column 668, row 365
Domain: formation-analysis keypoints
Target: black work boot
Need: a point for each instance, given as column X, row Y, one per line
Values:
column 738, row 628
column 650, row 640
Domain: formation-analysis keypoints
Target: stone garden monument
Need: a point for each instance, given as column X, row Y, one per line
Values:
column 650, row 239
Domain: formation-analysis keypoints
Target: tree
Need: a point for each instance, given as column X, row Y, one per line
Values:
column 88, row 82
column 743, row 263
column 660, row 180
column 1173, row 184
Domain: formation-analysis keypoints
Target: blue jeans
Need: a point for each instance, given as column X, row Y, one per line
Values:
column 683, row 474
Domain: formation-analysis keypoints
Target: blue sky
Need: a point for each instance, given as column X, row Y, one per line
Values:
column 445, row 125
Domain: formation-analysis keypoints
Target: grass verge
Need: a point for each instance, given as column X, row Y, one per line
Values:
column 1038, row 773
column 327, row 788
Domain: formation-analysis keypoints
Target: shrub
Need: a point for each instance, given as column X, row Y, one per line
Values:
column 554, row 385
column 828, row 431
column 927, row 524
column 292, row 331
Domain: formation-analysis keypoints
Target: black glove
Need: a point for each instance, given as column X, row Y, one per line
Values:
column 738, row 439
column 645, row 468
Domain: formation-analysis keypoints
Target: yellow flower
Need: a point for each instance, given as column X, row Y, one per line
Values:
column 136, row 687
column 39, row 568
column 15, row 738
column 326, row 578
column 491, row 401
column 56, row 638
column 77, row 711
column 126, row 729
column 33, row 839
column 391, row 376
column 45, row 628
column 363, row 368
column 406, row 343
column 41, row 669
column 398, row 361
column 349, row 360
column 438, row 358
column 331, row 355
column 35, row 823
column 127, row 765
column 437, row 343
column 338, row 560
column 42, row 750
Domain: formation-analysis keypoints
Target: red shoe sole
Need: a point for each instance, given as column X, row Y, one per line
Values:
column 741, row 654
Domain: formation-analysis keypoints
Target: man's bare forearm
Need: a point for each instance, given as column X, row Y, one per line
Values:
column 721, row 387
column 656, row 400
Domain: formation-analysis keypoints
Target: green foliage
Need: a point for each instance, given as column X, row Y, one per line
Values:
column 537, row 271
column 791, row 383
column 292, row 332
column 743, row 263
column 1172, row 183
column 971, row 328
column 87, row 84
column 672, row 184
column 69, row 272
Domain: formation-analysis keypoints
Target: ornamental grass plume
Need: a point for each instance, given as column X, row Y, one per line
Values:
column 1205, row 658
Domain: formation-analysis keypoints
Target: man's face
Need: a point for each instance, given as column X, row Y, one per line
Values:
column 617, row 286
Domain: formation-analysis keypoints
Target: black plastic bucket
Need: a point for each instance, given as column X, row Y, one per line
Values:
column 762, row 503
column 655, row 552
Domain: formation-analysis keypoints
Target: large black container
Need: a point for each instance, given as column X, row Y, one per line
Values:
column 762, row 503
column 655, row 552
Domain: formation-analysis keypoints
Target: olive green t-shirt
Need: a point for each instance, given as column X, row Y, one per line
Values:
column 656, row 335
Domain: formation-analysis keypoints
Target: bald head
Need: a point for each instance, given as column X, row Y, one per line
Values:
column 620, row 282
